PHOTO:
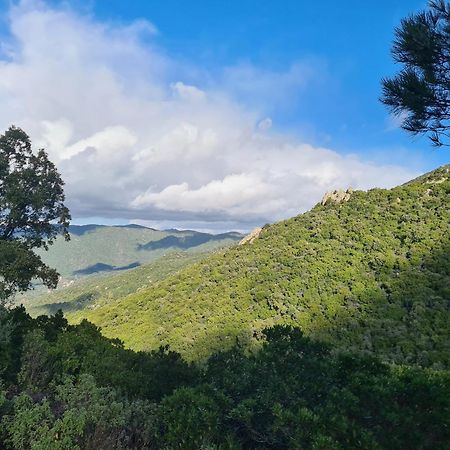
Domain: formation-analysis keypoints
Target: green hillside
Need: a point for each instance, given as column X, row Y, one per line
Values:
column 97, row 249
column 103, row 263
column 91, row 292
column 370, row 274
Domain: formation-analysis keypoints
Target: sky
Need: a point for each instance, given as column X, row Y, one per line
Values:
column 209, row 115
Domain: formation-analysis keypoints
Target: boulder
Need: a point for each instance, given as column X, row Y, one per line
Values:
column 337, row 196
column 251, row 237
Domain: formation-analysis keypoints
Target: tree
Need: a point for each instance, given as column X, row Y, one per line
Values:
column 419, row 95
column 32, row 213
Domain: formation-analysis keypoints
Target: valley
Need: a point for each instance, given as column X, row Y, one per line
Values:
column 104, row 263
column 295, row 291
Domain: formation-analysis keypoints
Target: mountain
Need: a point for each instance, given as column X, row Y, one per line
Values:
column 95, row 265
column 93, row 291
column 365, row 271
column 95, row 249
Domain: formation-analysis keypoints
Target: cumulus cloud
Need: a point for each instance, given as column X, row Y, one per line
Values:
column 186, row 92
column 135, row 140
column 234, row 194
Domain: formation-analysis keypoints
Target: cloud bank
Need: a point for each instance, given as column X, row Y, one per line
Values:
column 135, row 138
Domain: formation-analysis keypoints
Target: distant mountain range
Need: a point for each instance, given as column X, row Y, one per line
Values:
column 91, row 262
column 95, row 249
column 100, row 289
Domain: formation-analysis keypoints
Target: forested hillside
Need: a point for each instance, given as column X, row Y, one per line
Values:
column 326, row 331
column 93, row 291
column 95, row 249
column 101, row 263
column 284, row 341
column 371, row 274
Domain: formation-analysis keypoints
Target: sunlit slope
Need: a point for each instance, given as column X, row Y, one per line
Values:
column 368, row 274
column 91, row 292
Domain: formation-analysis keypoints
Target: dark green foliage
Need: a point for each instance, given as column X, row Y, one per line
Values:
column 74, row 389
column 78, row 414
column 420, row 93
column 32, row 213
column 370, row 275
column 294, row 393
column 19, row 266
column 193, row 417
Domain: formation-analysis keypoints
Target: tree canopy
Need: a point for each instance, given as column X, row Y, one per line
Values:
column 419, row 95
column 32, row 212
column 65, row 387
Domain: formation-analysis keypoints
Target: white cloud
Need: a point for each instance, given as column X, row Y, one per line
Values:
column 265, row 124
column 110, row 142
column 186, row 92
column 233, row 194
column 134, row 140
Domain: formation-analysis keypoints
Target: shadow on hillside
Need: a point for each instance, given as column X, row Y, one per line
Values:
column 80, row 230
column 79, row 303
column 406, row 322
column 186, row 242
column 101, row 267
column 409, row 323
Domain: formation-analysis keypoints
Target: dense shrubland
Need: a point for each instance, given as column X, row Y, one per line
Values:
column 370, row 275
column 68, row 387
column 329, row 331
column 91, row 292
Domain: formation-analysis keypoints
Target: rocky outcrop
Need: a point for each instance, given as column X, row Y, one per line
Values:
column 251, row 237
column 441, row 180
column 337, row 196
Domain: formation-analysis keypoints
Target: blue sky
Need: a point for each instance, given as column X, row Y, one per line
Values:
column 350, row 41
column 237, row 93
